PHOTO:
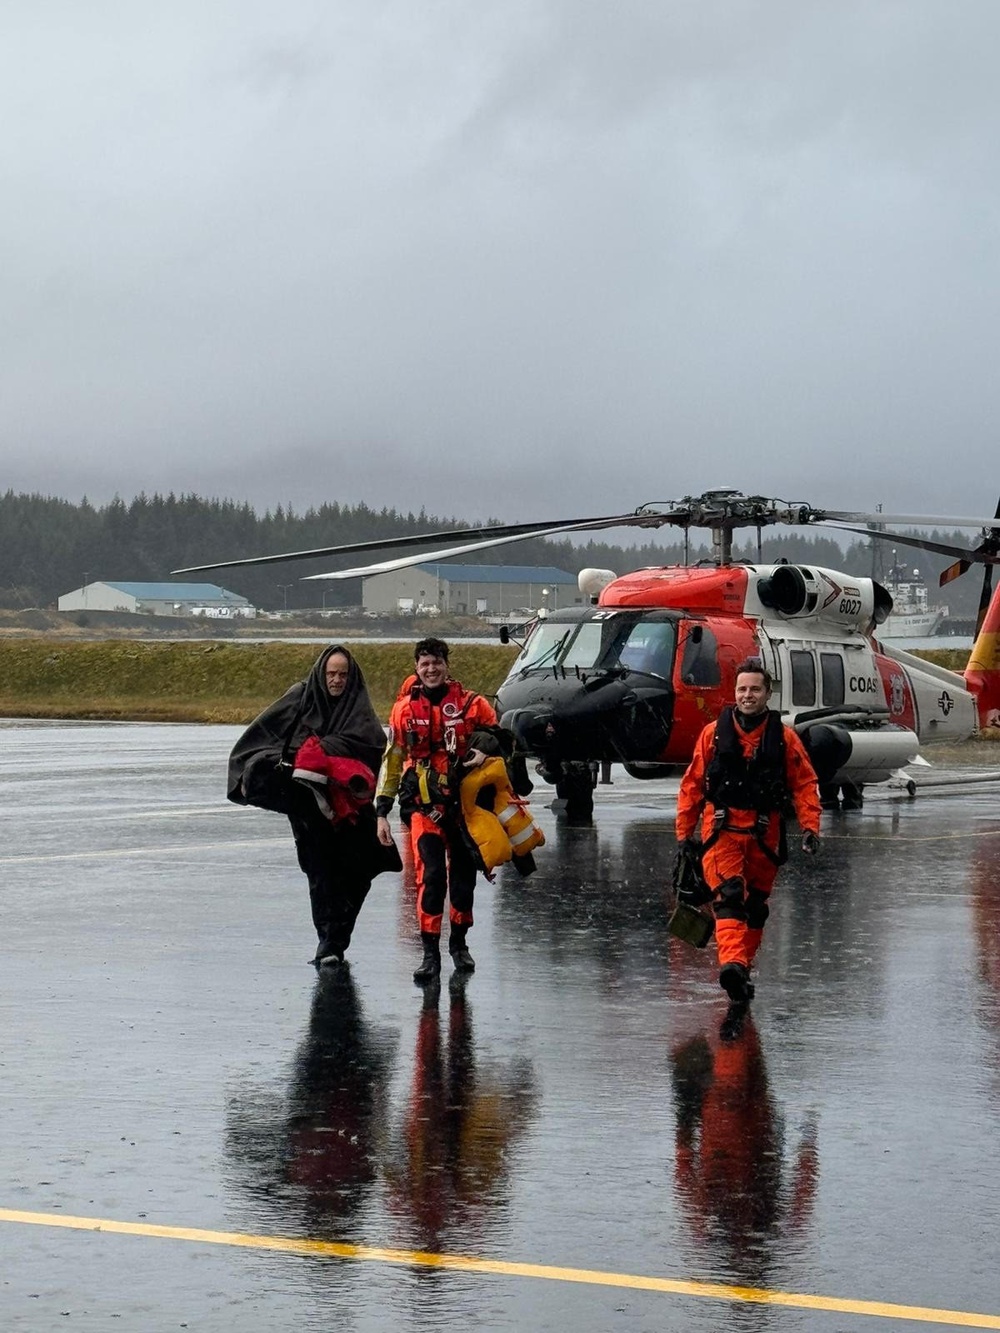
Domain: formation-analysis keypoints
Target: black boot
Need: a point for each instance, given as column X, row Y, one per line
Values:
column 329, row 951
column 460, row 956
column 734, row 979
column 430, row 968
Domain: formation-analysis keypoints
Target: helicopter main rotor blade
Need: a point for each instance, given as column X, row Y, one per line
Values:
column 510, row 531
column 916, row 520
column 979, row 556
column 722, row 511
column 433, row 557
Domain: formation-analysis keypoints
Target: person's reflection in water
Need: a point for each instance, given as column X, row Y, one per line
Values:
column 318, row 1158
column 729, row 1165
column 450, row 1169
column 985, row 885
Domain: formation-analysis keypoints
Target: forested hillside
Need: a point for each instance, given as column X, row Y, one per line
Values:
column 49, row 546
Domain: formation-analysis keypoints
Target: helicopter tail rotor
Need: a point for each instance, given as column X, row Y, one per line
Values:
column 985, row 553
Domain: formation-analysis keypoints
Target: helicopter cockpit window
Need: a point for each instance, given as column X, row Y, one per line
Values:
column 803, row 678
column 832, row 668
column 543, row 645
column 649, row 647
column 700, row 665
column 591, row 643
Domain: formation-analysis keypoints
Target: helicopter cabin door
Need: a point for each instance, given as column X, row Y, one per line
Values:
column 816, row 675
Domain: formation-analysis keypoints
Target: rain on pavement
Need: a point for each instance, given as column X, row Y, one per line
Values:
column 201, row 1132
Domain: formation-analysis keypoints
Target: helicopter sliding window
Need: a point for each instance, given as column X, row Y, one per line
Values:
column 700, row 665
column 649, row 647
column 803, row 678
column 832, row 667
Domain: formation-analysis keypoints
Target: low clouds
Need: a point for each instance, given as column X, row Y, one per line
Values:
column 509, row 261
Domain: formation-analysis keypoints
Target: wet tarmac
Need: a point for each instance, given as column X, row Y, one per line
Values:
column 199, row 1132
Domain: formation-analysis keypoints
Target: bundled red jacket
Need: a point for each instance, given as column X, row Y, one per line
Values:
column 342, row 787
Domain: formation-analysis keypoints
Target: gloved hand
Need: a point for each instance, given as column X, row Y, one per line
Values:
column 688, row 880
column 810, row 843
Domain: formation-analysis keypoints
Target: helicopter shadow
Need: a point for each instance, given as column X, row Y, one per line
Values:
column 745, row 1193
column 311, row 1158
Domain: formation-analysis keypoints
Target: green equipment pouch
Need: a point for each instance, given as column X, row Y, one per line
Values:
column 690, row 925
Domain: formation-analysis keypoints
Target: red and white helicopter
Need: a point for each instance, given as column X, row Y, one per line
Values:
column 633, row 676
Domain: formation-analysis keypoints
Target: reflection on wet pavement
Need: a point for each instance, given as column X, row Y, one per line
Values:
column 571, row 1118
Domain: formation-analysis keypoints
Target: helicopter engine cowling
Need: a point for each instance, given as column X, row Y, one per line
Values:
column 807, row 592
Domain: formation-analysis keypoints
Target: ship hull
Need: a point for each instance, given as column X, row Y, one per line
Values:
column 912, row 625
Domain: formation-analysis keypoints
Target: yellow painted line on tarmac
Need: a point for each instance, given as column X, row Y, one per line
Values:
column 186, row 849
column 497, row 1267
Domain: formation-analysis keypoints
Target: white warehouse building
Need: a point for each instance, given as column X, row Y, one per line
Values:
column 159, row 599
column 469, row 590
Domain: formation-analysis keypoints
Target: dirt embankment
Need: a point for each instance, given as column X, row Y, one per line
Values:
column 95, row 625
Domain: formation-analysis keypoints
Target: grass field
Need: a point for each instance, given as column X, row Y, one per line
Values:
column 198, row 681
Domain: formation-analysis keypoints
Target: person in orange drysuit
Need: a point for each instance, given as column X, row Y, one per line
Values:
column 430, row 729
column 746, row 769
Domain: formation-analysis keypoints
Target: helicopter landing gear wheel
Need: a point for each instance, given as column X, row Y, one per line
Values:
column 575, row 786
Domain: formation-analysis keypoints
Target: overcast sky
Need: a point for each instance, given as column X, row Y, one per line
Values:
column 534, row 259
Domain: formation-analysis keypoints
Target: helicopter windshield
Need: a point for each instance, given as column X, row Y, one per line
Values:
column 639, row 645
column 607, row 640
column 590, row 643
column 543, row 645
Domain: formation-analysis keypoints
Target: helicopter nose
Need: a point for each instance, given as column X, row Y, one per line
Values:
column 530, row 727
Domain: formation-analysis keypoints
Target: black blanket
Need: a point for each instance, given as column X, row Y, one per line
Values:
column 346, row 724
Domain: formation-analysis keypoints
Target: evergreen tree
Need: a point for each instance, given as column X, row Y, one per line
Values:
column 49, row 546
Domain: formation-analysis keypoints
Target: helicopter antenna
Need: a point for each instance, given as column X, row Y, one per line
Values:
column 878, row 562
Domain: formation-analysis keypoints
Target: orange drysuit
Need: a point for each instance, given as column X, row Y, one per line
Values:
column 741, row 863
column 425, row 737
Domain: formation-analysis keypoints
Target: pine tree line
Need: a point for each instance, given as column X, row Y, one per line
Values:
column 50, row 546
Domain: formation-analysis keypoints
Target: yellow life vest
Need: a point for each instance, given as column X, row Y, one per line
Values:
column 508, row 829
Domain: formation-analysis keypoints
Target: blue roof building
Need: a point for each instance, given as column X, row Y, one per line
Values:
column 159, row 599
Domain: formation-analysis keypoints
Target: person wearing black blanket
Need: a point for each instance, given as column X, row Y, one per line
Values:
column 339, row 857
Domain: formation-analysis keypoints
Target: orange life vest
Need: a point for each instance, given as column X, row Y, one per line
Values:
column 435, row 732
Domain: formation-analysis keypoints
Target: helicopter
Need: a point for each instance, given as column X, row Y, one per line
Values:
column 633, row 676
